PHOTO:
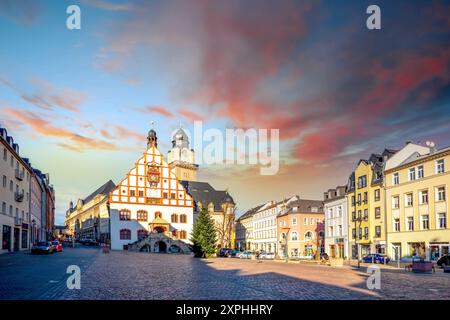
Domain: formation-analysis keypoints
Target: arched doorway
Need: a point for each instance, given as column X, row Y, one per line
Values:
column 160, row 247
column 174, row 249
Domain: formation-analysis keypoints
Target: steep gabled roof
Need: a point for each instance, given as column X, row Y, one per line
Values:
column 203, row 192
column 104, row 190
column 250, row 212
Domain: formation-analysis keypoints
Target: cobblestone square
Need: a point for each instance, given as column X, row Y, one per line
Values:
column 131, row 275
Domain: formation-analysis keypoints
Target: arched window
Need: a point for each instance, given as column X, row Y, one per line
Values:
column 174, row 218
column 141, row 234
column 125, row 214
column 142, row 215
column 158, row 214
column 294, row 236
column 309, row 235
column 125, row 234
column 183, row 218
column 283, row 236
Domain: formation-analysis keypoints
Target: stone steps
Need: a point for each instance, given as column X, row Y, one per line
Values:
column 152, row 243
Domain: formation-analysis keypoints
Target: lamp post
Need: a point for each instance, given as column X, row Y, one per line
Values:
column 357, row 219
column 33, row 223
column 286, row 252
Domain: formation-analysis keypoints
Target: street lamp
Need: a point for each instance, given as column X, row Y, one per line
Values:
column 357, row 219
column 286, row 252
column 33, row 231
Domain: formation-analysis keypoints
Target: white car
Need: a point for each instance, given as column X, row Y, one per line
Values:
column 267, row 255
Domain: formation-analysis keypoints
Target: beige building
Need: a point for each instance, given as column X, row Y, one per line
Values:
column 300, row 229
column 220, row 205
column 15, row 175
column 244, row 230
column 417, row 208
column 90, row 217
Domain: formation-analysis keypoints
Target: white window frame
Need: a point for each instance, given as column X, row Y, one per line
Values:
column 440, row 164
column 422, row 220
column 438, row 220
column 412, row 174
column 396, row 224
column 395, row 178
column 421, row 194
column 420, row 172
column 407, row 204
column 408, row 219
column 438, row 194
column 394, row 206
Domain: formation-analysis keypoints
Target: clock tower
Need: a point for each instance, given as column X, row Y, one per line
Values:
column 180, row 158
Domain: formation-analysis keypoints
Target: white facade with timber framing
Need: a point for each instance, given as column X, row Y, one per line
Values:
column 150, row 199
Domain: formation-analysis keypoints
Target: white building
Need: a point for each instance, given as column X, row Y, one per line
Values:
column 15, row 175
column 150, row 200
column 336, row 215
column 265, row 225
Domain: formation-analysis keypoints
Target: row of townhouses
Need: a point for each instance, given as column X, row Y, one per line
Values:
column 292, row 226
column 154, row 206
column 27, row 200
column 394, row 203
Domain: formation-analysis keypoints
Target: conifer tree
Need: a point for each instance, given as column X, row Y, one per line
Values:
column 204, row 235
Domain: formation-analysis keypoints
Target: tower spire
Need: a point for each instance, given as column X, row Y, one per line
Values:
column 152, row 139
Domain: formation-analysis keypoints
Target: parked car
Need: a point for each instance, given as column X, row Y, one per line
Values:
column 266, row 255
column 42, row 247
column 238, row 254
column 225, row 252
column 375, row 258
column 444, row 260
column 88, row 242
column 58, row 247
column 246, row 255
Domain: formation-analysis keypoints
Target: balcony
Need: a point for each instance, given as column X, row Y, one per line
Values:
column 19, row 174
column 19, row 195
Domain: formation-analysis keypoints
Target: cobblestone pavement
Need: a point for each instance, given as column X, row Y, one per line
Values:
column 129, row 275
column 26, row 276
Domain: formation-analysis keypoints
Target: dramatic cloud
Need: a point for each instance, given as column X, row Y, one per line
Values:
column 190, row 115
column 281, row 65
column 157, row 109
column 49, row 97
column 44, row 127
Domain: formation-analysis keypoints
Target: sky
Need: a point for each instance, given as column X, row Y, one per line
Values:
column 80, row 102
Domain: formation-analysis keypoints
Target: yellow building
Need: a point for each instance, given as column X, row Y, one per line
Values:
column 417, row 209
column 366, row 226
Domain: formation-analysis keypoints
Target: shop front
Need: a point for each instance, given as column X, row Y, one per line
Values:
column 437, row 250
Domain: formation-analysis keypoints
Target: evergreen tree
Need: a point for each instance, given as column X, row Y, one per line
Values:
column 204, row 235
